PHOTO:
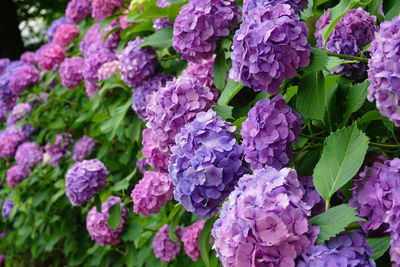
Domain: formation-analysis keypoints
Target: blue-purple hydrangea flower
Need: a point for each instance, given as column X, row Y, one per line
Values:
column 71, row 72
column 83, row 148
column 164, row 248
column 77, row 10
column 22, row 78
column 296, row 5
column 51, row 31
column 16, row 174
column 29, row 154
column 6, row 208
column 94, row 59
column 161, row 23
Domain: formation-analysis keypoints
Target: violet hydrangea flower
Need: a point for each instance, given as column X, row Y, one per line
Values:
column 16, row 174
column 164, row 248
column 77, row 10
column 269, row 47
column 102, row 9
column 66, row 34
column 51, row 57
column 154, row 157
column 4, row 62
column 6, row 209
column 141, row 164
column 59, row 149
column 113, row 38
column 18, row 112
column 83, row 148
column 190, row 239
column 84, row 179
column 296, row 5
column 51, row 31
column 205, row 164
column 108, row 69
column 92, row 37
column 161, row 23
column 29, row 154
column 28, row 58
column 311, row 196
column 22, row 78
column 71, row 72
column 11, row 138
column 93, row 60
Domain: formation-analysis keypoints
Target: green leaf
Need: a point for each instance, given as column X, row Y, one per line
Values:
column 97, row 203
column 161, row 38
column 118, row 116
column 311, row 90
column 333, row 63
column 220, row 69
column 238, row 123
column 379, row 246
column 391, row 8
column 342, row 156
column 114, row 216
column 124, row 183
column 291, row 92
column 357, row 95
column 372, row 115
column 172, row 229
column 57, row 124
column 132, row 232
column 204, row 239
column 174, row 211
column 318, row 60
column 224, row 111
column 231, row 89
column 334, row 221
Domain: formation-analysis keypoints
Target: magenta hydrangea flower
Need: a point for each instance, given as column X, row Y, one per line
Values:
column 11, row 138
column 102, row 9
column 354, row 31
column 383, row 72
column 59, row 149
column 137, row 64
column 16, row 174
column 22, row 78
column 296, row 5
column 93, row 60
column 92, row 37
column 164, row 248
column 51, row 57
column 6, row 208
column 97, row 226
column 78, row 10
column 84, row 179
column 151, row 193
column 268, row 133
column 161, row 23
column 175, row 105
column 71, row 72
column 190, row 239
column 264, row 221
column 51, row 31
column 108, row 69
column 205, row 164
column 347, row 249
column 18, row 112
column 83, row 148
column 123, row 20
column 140, row 93
column 91, row 89
column 2, row 259
column 66, row 34
column 269, row 47
column 28, row 58
column 200, row 23
column 29, row 154
column 154, row 157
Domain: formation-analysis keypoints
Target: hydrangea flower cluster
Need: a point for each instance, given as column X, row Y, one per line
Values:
column 175, row 105
column 6, row 209
column 22, row 78
column 4, row 62
column 77, row 10
column 137, row 64
column 29, row 154
column 51, row 57
column 205, row 164
column 113, row 38
column 296, row 5
column 59, row 149
column 264, row 221
column 108, row 69
column 268, row 133
column 190, row 239
column 354, row 31
column 140, row 93
column 154, row 157
column 141, row 164
column 200, row 23
column 83, row 148
column 311, row 196
column 164, row 248
column 92, row 38
column 102, row 9
column 66, row 34
column 161, row 23
column 71, row 72
column 93, row 60
column 19, row 112
column 151, row 193
column 383, row 70
column 11, row 138
column 97, row 226
column 28, row 58
column 347, row 249
column 51, row 31
column 269, row 47
column 84, row 179
column 16, row 174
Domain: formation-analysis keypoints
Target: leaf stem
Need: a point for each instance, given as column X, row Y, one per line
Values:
column 384, row 145
column 327, row 202
column 362, row 59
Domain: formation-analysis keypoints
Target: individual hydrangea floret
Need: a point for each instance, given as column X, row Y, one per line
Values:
column 205, row 164
column 71, row 72
column 200, row 23
column 6, row 209
column 102, row 9
column 78, row 10
column 93, row 60
column 140, row 93
column 175, row 105
column 16, row 174
column 51, row 57
column 59, row 149
column 141, row 164
column 190, row 239
column 268, row 133
column 164, row 248
column 264, row 222
column 354, row 31
column 161, row 23
column 18, row 112
column 383, row 72
column 84, row 179
column 296, row 5
column 151, row 193
column 347, row 249
column 28, row 58
column 108, row 69
column 51, row 31
column 270, row 45
column 66, row 34
column 22, row 78
column 97, row 226
column 11, row 138
column 83, row 148
column 29, row 154
column 154, row 157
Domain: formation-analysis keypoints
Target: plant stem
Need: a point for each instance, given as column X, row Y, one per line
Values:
column 362, row 59
column 384, row 145
column 327, row 204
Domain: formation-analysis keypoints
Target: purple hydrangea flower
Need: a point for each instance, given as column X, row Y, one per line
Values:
column 200, row 23
column 28, row 58
column 51, row 31
column 268, row 133
column 154, row 157
column 51, row 57
column 264, row 221
column 393, row 221
column 137, row 64
column 91, row 88
column 175, row 105
column 269, row 47
column 19, row 112
column 92, row 37
column 29, row 154
column 161, row 23
column 78, row 10
column 59, row 149
column 83, row 148
column 4, row 62
column 395, row 251
column 11, row 138
column 141, row 164
column 347, row 249
column 71, row 72
column 205, row 164
column 140, row 93
column 22, row 78
column 151, row 193
column 113, row 38
column 354, row 31
column 94, row 59
column 296, row 5
column 102, row 9
column 66, row 34
column 7, row 100
column 97, row 226
column 311, row 196
column 108, row 69
column 164, row 248
column 190, row 239
column 84, row 179
column 6, row 209
column 383, row 72
column 16, row 174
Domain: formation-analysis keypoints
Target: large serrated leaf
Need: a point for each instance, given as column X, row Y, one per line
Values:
column 311, row 90
column 124, row 183
column 379, row 246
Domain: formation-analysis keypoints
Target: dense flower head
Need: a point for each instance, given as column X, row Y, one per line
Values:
column 94, row 59
column 4, row 62
column 97, row 226
column 140, row 93
column 51, row 31
column 6, row 209
column 77, row 10
column 384, row 70
column 84, row 179
column 141, row 164
column 18, row 112
column 264, row 221
column 7, row 100
column 345, row 250
column 164, row 248
column 137, row 64
column 113, row 38
column 92, row 37
column 71, row 72
column 161, row 23
column 205, row 164
column 190, row 239
column 22, row 78
column 152, row 193
column 154, row 157
column 354, row 31
column 28, row 58
column 59, row 149
column 296, row 5
column 175, row 105
column 11, row 138
column 51, row 57
column 102, row 9
column 108, row 69
column 16, row 174
column 270, row 45
column 268, row 133
column 29, row 154
column 83, row 148
column 311, row 196
column 200, row 23
column 66, row 34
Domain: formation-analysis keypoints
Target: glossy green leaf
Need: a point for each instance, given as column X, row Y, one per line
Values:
column 379, row 246
column 311, row 90
column 219, row 70
column 114, row 216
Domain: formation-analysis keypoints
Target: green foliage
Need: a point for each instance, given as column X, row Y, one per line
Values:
column 379, row 246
